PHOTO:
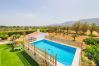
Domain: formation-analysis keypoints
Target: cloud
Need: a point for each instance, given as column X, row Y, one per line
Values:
column 41, row 12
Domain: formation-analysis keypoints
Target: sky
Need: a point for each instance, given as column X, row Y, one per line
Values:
column 45, row 12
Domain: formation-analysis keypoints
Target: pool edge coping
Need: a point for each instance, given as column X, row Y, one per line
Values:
column 76, row 59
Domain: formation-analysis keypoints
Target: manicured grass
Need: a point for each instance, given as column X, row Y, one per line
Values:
column 14, row 58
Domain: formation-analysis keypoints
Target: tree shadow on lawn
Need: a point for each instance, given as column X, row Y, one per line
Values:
column 12, row 48
column 7, row 46
column 26, row 59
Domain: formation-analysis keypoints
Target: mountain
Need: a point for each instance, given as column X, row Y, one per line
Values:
column 93, row 20
column 63, row 24
column 90, row 21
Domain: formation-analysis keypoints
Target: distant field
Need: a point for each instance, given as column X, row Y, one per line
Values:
column 14, row 58
column 97, row 26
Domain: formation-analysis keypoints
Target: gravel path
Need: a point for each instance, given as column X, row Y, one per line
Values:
column 4, row 42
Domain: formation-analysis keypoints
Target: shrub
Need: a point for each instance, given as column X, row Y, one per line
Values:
column 92, row 41
column 92, row 52
column 92, row 35
column 43, row 30
column 16, row 35
column 3, row 35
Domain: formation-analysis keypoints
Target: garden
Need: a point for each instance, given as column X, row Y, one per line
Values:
column 92, row 50
column 9, row 57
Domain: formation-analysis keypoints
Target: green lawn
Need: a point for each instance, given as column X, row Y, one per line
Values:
column 14, row 58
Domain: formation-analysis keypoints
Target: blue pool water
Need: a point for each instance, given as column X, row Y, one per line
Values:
column 65, row 54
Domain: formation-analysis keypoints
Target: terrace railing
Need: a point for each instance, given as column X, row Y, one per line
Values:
column 69, row 42
column 40, row 56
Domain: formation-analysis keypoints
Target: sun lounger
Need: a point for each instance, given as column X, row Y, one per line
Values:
column 18, row 48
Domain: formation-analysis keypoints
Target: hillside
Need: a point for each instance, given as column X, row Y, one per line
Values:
column 90, row 21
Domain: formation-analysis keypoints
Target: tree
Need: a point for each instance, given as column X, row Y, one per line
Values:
column 60, row 30
column 67, row 29
column 74, row 36
column 76, row 27
column 84, row 27
column 15, row 36
column 97, row 29
column 52, row 29
column 3, row 35
column 92, row 28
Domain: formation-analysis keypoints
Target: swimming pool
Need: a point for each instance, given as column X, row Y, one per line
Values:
column 65, row 54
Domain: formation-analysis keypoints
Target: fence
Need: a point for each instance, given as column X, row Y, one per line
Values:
column 40, row 56
column 69, row 42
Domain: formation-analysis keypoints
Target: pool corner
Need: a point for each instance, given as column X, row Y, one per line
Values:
column 76, row 60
